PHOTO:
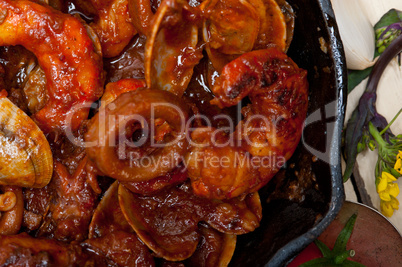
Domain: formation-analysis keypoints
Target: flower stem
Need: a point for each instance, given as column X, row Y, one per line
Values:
column 376, row 135
column 389, row 124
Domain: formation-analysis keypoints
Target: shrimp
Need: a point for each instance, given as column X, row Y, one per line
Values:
column 114, row 26
column 66, row 53
column 222, row 166
column 114, row 89
column 141, row 12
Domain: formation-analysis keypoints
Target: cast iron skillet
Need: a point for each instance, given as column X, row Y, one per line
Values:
column 303, row 198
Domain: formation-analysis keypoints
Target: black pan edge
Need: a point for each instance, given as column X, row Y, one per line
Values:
column 291, row 249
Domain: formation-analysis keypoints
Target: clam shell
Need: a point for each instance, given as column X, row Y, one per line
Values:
column 108, row 216
column 272, row 27
column 236, row 216
column 25, row 156
column 168, row 222
column 224, row 28
column 289, row 16
column 226, row 39
column 172, row 49
column 214, row 249
column 166, row 233
column 229, row 246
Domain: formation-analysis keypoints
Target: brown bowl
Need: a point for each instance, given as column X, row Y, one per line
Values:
column 375, row 239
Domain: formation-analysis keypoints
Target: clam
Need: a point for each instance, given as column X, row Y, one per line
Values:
column 236, row 216
column 233, row 27
column 108, row 216
column 289, row 16
column 168, row 228
column 172, row 49
column 25, row 156
column 215, row 248
column 227, row 249
column 168, row 222
column 230, row 28
column 272, row 26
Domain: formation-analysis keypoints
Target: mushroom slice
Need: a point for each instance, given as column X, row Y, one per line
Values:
column 108, row 216
column 25, row 156
column 165, row 223
column 172, row 49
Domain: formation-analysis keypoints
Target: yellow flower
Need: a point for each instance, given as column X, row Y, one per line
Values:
column 391, row 191
column 385, row 179
column 399, row 156
column 388, row 207
column 398, row 163
column 386, row 187
column 388, row 191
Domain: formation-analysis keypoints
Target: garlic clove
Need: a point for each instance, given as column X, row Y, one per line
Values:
column 375, row 9
column 353, row 99
column 389, row 97
column 356, row 32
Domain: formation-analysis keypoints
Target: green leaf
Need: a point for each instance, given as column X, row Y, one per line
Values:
column 392, row 16
column 394, row 172
column 326, row 252
column 338, row 256
column 355, row 77
column 344, row 235
column 376, row 53
column 353, row 134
